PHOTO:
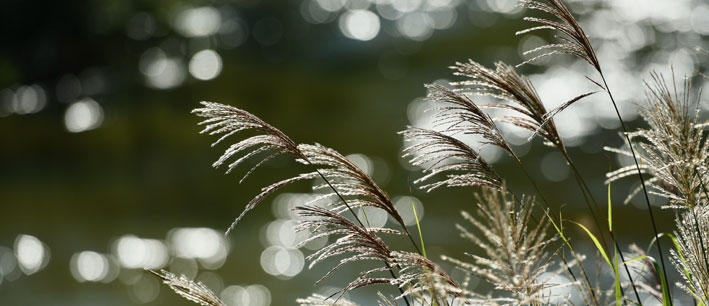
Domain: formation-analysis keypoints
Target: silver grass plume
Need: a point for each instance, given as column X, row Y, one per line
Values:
column 514, row 248
column 356, row 185
column 225, row 120
column 360, row 244
column 506, row 84
column 443, row 154
column 673, row 149
column 355, row 243
column 350, row 181
column 690, row 257
column 573, row 39
column 458, row 114
column 423, row 280
column 321, row 300
column 193, row 291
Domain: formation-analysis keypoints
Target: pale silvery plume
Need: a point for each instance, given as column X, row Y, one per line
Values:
column 189, row 289
column 343, row 178
column 346, row 187
column 359, row 244
column 321, row 300
column 459, row 114
column 673, row 149
column 443, row 154
column 690, row 258
column 354, row 242
column 514, row 248
column 504, row 83
column 226, row 120
column 351, row 183
column 573, row 39
column 423, row 280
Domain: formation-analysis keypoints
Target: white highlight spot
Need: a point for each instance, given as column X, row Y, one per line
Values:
column 89, row 266
column 404, row 205
column 196, row 22
column 256, row 295
column 204, row 244
column 32, row 255
column 205, row 65
column 372, row 216
column 83, row 115
column 134, row 252
column 359, row 24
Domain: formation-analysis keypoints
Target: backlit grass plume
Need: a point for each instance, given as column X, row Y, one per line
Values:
column 573, row 39
column 514, row 247
column 673, row 149
column 460, row 115
column 226, row 121
column 189, row 289
column 521, row 97
column 441, row 154
column 353, row 243
column 690, row 254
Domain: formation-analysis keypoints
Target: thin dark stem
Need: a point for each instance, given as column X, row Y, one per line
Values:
column 531, row 180
column 585, row 189
column 642, row 180
column 588, row 197
column 411, row 238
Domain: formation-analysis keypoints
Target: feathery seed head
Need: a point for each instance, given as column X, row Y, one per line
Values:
column 574, row 40
column 674, row 149
column 443, row 154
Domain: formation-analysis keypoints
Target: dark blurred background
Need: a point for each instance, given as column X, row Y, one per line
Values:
column 103, row 172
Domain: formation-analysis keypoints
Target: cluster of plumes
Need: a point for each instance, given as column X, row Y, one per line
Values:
column 573, row 39
column 455, row 113
column 344, row 179
column 519, row 95
column 673, row 150
column 189, row 289
column 343, row 188
column 690, row 257
column 515, row 249
column 355, row 243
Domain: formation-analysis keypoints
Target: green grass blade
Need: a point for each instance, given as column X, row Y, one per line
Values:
column 598, row 244
column 618, row 291
column 663, row 282
column 423, row 246
column 610, row 209
column 634, row 259
column 559, row 230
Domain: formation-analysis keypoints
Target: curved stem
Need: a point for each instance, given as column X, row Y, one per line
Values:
column 585, row 189
column 642, row 180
